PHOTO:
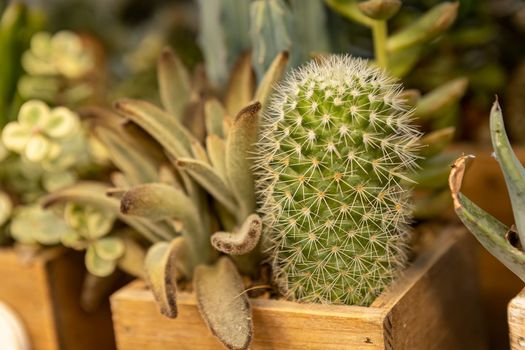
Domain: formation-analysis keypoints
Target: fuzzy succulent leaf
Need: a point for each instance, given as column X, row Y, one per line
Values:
column 167, row 130
column 433, row 103
column 241, row 242
column 216, row 149
column 174, row 83
column 158, row 201
column 510, row 165
column 240, row 86
column 206, row 176
column 130, row 160
column 490, row 232
column 433, row 23
column 161, row 276
column 337, row 144
column 223, row 304
column 214, row 115
column 239, row 165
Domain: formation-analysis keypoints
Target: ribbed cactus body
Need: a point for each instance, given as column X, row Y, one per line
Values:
column 335, row 146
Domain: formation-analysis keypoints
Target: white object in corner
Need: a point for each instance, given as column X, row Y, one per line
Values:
column 13, row 335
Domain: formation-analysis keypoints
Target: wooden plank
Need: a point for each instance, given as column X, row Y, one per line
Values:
column 516, row 317
column 278, row 324
column 45, row 293
column 25, row 288
column 441, row 310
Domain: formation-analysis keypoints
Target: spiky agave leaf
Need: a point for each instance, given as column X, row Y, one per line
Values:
column 336, row 147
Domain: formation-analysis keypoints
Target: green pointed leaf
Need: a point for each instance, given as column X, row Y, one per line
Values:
column 436, row 101
column 379, row 9
column 109, row 248
column 241, row 242
column 223, row 304
column 98, row 266
column 239, row 164
column 488, row 230
column 510, row 165
column 433, row 23
column 168, row 131
column 271, row 77
column 435, row 142
column 174, row 83
column 349, row 9
column 214, row 115
column 209, row 180
column 241, row 85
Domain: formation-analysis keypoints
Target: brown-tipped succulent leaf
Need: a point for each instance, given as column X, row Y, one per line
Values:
column 272, row 76
column 223, row 304
column 158, row 201
column 427, row 27
column 490, row 232
column 174, row 83
column 241, row 85
column 239, row 165
column 162, row 277
column 206, row 176
column 241, row 242
column 379, row 9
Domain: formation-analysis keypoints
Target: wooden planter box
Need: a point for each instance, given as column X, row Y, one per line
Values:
column 45, row 293
column 433, row 305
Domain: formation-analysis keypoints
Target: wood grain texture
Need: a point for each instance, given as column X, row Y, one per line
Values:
column 45, row 293
column 431, row 306
column 516, row 317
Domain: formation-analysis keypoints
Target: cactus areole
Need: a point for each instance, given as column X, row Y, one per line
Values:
column 335, row 149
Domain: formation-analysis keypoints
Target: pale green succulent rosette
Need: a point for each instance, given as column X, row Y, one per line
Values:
column 6, row 207
column 3, row 151
column 33, row 225
column 60, row 54
column 91, row 232
column 40, row 132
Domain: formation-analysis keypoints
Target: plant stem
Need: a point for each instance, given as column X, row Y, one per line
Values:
column 379, row 32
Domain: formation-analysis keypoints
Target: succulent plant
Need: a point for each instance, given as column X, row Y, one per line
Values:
column 56, row 68
column 336, row 148
column 505, row 243
column 6, row 207
column 197, row 205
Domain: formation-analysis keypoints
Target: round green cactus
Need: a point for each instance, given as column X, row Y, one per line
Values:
column 336, row 145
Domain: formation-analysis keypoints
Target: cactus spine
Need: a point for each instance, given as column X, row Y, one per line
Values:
column 335, row 145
